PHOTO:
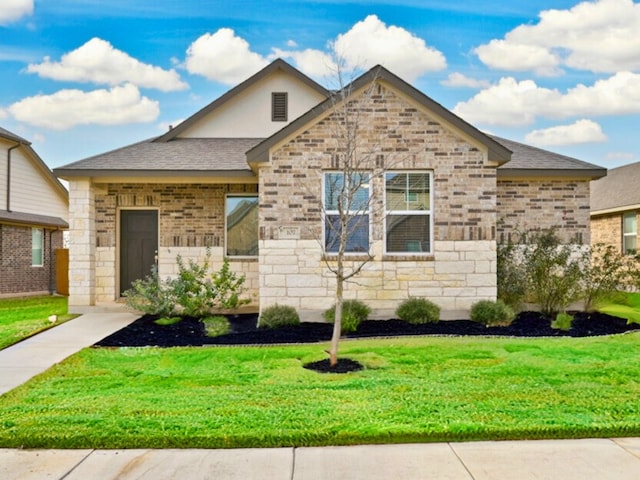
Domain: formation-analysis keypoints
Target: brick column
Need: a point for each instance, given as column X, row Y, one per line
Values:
column 82, row 244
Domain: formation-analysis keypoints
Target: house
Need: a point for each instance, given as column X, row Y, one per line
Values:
column 251, row 175
column 33, row 214
column 615, row 204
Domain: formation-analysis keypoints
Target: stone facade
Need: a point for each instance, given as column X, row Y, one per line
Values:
column 394, row 135
column 19, row 276
column 191, row 218
column 543, row 204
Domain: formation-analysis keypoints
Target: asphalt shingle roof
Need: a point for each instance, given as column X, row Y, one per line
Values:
column 528, row 158
column 178, row 155
column 32, row 219
column 617, row 190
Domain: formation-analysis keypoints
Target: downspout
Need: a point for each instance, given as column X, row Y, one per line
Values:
column 9, row 175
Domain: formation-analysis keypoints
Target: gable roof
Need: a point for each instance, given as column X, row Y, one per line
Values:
column 274, row 66
column 528, row 161
column 208, row 157
column 39, row 163
column 617, row 191
column 497, row 152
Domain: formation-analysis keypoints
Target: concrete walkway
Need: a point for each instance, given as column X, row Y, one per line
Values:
column 602, row 459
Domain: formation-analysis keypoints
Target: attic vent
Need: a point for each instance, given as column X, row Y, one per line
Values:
column 279, row 106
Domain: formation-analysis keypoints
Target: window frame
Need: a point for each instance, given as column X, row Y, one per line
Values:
column 40, row 261
column 226, row 225
column 427, row 212
column 336, row 213
column 633, row 234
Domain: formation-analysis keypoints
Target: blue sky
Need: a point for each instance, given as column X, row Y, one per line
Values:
column 81, row 77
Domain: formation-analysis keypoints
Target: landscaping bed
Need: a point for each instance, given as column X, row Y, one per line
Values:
column 191, row 331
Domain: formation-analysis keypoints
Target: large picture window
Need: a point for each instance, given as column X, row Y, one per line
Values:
column 242, row 226
column 37, row 247
column 408, row 214
column 346, row 200
column 630, row 232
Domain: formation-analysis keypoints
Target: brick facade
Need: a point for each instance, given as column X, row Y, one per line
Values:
column 607, row 229
column 191, row 217
column 18, row 274
column 531, row 204
column 395, row 136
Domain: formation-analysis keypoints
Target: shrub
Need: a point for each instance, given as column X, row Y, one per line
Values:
column 353, row 313
column 606, row 271
column 228, row 287
column 151, row 295
column 192, row 288
column 563, row 321
column 492, row 313
column 512, row 280
column 216, row 326
column 418, row 310
column 278, row 316
column 167, row 320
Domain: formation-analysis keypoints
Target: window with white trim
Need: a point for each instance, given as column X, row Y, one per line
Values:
column 346, row 200
column 241, row 226
column 629, row 232
column 37, row 247
column 408, row 212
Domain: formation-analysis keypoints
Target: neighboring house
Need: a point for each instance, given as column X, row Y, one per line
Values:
column 251, row 174
column 33, row 214
column 615, row 204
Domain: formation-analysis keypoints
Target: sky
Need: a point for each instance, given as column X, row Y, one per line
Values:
column 82, row 77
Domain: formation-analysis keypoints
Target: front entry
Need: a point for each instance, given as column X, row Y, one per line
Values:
column 138, row 245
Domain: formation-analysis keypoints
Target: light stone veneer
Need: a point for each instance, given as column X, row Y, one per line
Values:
column 82, row 243
column 106, row 269
column 292, row 272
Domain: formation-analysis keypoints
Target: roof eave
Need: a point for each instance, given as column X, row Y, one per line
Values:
column 97, row 173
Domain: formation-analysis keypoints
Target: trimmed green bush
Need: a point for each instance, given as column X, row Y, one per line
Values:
column 278, row 316
column 167, row 320
column 418, row 310
column 216, row 325
column 353, row 313
column 492, row 313
column 563, row 321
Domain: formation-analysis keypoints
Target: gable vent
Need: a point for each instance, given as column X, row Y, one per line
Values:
column 279, row 106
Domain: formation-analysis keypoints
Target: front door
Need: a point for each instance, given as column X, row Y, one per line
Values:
column 138, row 245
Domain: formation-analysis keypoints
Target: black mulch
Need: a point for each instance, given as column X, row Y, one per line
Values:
column 190, row 331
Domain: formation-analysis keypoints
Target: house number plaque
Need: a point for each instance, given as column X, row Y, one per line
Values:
column 289, row 233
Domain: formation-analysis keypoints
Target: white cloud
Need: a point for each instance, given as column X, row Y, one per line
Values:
column 370, row 42
column 69, row 108
column 314, row 63
column 97, row 61
column 459, row 80
column 625, row 157
column 513, row 103
column 3, row 113
column 223, row 57
column 598, row 36
column 582, row 131
column 12, row 10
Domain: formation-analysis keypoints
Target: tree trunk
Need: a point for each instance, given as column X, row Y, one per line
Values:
column 337, row 325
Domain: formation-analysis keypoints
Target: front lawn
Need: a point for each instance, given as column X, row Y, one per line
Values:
column 422, row 389
column 25, row 316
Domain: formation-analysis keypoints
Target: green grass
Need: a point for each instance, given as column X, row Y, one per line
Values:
column 412, row 390
column 627, row 305
column 22, row 317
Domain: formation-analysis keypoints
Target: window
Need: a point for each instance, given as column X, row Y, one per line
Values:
column 37, row 247
column 408, row 212
column 351, row 195
column 629, row 232
column 279, row 106
column 242, row 226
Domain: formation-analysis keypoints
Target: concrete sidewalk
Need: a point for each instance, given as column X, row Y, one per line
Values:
column 24, row 360
column 601, row 459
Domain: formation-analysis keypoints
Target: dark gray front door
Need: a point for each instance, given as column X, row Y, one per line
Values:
column 138, row 245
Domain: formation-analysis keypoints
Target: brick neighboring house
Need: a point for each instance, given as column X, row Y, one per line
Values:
column 249, row 175
column 615, row 204
column 33, row 212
